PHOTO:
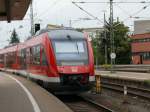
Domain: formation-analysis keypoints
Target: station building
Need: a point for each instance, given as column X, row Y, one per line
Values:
column 141, row 42
column 93, row 32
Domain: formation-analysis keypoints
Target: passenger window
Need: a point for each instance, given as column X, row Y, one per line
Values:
column 31, row 56
column 2, row 59
column 43, row 56
column 36, row 55
column 10, row 61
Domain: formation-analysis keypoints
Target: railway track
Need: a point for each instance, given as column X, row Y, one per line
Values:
column 136, row 91
column 82, row 104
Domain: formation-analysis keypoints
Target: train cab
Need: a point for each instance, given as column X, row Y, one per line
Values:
column 74, row 59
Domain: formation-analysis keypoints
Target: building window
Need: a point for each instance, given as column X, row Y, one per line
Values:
column 146, row 55
column 141, row 40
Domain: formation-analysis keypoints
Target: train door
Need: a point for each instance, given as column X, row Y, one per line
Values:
column 28, row 57
column 43, row 59
column 35, row 59
column 5, row 63
column 1, row 60
column 36, row 62
column 23, row 59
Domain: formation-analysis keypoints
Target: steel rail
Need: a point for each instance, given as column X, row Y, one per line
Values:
column 141, row 92
column 103, row 107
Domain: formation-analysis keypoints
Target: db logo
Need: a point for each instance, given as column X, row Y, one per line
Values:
column 74, row 69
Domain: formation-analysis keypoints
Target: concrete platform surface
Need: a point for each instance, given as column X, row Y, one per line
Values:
column 18, row 94
column 125, row 75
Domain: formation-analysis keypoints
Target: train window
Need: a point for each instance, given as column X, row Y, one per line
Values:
column 22, row 58
column 31, row 56
column 12, row 60
column 80, row 46
column 36, row 55
column 69, row 47
column 43, row 56
column 1, row 58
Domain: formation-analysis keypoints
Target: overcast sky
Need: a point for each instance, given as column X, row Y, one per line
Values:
column 61, row 11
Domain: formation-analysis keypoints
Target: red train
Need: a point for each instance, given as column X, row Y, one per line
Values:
column 62, row 59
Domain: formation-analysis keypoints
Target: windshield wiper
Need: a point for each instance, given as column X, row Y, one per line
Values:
column 77, row 47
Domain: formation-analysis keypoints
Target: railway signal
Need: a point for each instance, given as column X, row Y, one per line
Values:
column 37, row 27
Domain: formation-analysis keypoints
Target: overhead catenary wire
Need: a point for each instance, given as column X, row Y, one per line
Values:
column 94, row 17
column 139, row 11
column 124, row 11
column 132, row 15
column 48, row 9
column 129, row 15
column 138, row 17
column 142, row 2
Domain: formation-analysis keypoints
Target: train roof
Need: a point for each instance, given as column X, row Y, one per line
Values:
column 8, row 49
column 28, row 43
column 62, row 33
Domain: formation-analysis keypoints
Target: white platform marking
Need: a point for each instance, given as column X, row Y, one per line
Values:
column 31, row 98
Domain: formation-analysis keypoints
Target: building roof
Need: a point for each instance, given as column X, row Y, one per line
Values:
column 13, row 9
column 141, row 26
column 140, row 36
column 94, row 29
column 51, row 26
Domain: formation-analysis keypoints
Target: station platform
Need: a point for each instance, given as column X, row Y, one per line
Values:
column 17, row 94
column 124, row 75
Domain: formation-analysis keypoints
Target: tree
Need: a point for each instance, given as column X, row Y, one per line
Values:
column 14, row 37
column 122, row 44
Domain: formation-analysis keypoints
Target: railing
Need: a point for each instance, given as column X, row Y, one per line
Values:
column 125, row 68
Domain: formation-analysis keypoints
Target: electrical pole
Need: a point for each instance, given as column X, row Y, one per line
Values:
column 105, row 37
column 113, row 55
column 31, row 18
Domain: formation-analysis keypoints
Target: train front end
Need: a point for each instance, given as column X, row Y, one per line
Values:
column 74, row 60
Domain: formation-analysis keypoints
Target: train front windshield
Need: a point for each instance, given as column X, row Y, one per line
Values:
column 71, row 52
